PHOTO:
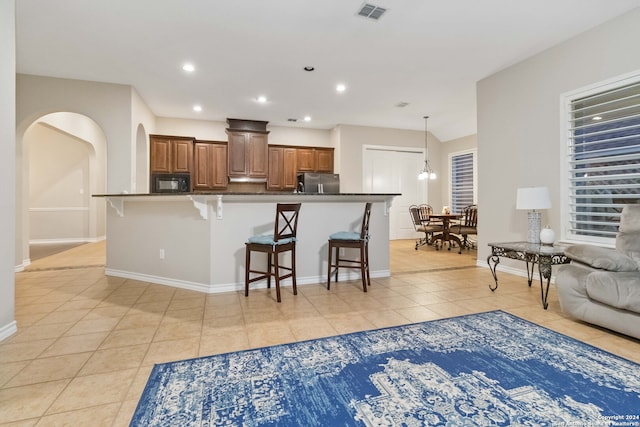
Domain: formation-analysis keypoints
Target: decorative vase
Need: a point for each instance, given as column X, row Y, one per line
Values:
column 547, row 236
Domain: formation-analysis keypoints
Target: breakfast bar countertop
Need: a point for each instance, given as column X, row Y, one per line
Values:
column 196, row 241
column 243, row 194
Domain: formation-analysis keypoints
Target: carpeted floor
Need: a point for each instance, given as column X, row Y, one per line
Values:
column 482, row 369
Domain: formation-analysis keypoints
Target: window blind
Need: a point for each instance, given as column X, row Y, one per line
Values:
column 604, row 161
column 462, row 185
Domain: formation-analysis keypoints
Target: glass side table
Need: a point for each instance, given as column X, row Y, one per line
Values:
column 544, row 255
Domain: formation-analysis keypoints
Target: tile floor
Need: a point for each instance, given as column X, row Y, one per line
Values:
column 86, row 343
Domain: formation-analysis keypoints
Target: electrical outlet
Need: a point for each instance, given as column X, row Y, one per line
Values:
column 161, row 253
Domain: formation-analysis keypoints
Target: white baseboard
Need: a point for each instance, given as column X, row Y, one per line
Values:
column 231, row 287
column 7, row 330
column 65, row 241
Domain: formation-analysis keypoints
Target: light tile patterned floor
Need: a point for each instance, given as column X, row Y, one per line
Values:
column 86, row 343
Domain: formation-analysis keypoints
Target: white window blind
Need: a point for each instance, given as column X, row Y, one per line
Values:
column 462, row 181
column 604, row 161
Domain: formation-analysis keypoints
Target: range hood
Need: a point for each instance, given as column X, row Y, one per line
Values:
column 247, row 179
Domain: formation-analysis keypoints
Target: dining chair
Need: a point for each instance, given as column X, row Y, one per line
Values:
column 351, row 239
column 281, row 241
column 468, row 225
column 422, row 223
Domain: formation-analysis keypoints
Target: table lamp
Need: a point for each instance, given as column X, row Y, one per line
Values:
column 533, row 199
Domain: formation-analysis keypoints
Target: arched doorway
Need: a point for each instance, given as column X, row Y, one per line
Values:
column 64, row 163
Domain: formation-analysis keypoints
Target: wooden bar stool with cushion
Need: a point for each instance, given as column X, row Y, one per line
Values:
column 351, row 239
column 282, row 240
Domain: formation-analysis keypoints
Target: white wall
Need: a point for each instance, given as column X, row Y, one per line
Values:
column 59, row 190
column 109, row 105
column 352, row 138
column 143, row 121
column 519, row 122
column 7, row 167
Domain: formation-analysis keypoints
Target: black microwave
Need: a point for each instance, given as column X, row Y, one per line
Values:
column 171, row 183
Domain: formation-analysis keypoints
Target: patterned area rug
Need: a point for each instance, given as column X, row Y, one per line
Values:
column 478, row 370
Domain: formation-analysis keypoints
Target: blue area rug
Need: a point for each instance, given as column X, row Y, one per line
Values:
column 477, row 370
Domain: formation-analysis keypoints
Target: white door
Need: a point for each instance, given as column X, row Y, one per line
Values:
column 395, row 170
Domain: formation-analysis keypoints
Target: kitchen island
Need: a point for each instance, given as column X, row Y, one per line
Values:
column 196, row 240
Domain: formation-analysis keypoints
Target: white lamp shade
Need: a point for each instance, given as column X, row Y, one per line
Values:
column 531, row 198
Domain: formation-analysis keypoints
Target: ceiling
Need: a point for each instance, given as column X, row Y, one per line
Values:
column 428, row 54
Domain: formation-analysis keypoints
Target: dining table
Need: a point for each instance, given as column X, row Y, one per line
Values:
column 445, row 235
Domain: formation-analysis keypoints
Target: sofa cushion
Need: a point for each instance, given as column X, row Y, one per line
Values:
column 620, row 290
column 602, row 258
column 628, row 243
column 628, row 238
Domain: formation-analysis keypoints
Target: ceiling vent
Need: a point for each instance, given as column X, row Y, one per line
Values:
column 372, row 12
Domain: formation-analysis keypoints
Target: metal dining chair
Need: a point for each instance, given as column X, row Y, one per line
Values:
column 468, row 225
column 422, row 223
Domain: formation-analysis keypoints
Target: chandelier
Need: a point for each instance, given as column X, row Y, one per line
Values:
column 427, row 171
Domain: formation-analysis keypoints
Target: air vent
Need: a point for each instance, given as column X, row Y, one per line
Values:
column 372, row 12
column 292, row 120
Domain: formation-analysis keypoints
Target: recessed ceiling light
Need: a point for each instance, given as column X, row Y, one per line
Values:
column 309, row 68
column 197, row 108
column 340, row 88
column 261, row 99
column 307, row 118
column 597, row 118
column 188, row 67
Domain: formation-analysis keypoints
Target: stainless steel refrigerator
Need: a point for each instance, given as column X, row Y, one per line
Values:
column 311, row 182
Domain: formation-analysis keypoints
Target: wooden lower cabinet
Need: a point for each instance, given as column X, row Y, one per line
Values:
column 210, row 165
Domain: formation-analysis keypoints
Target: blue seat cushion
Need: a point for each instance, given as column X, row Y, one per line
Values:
column 267, row 239
column 345, row 235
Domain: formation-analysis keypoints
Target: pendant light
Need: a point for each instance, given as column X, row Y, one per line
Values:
column 427, row 172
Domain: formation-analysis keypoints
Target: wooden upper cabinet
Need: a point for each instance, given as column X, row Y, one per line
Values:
column 210, row 165
column 238, row 153
column 324, row 160
column 182, row 155
column 306, row 160
column 248, row 157
column 314, row 159
column 282, row 168
column 160, row 154
column 290, row 178
column 276, row 168
column 258, row 155
column 170, row 154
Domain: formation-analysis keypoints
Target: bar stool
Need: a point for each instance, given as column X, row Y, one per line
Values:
column 282, row 240
column 351, row 239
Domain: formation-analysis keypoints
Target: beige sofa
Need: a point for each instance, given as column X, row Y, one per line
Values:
column 602, row 286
